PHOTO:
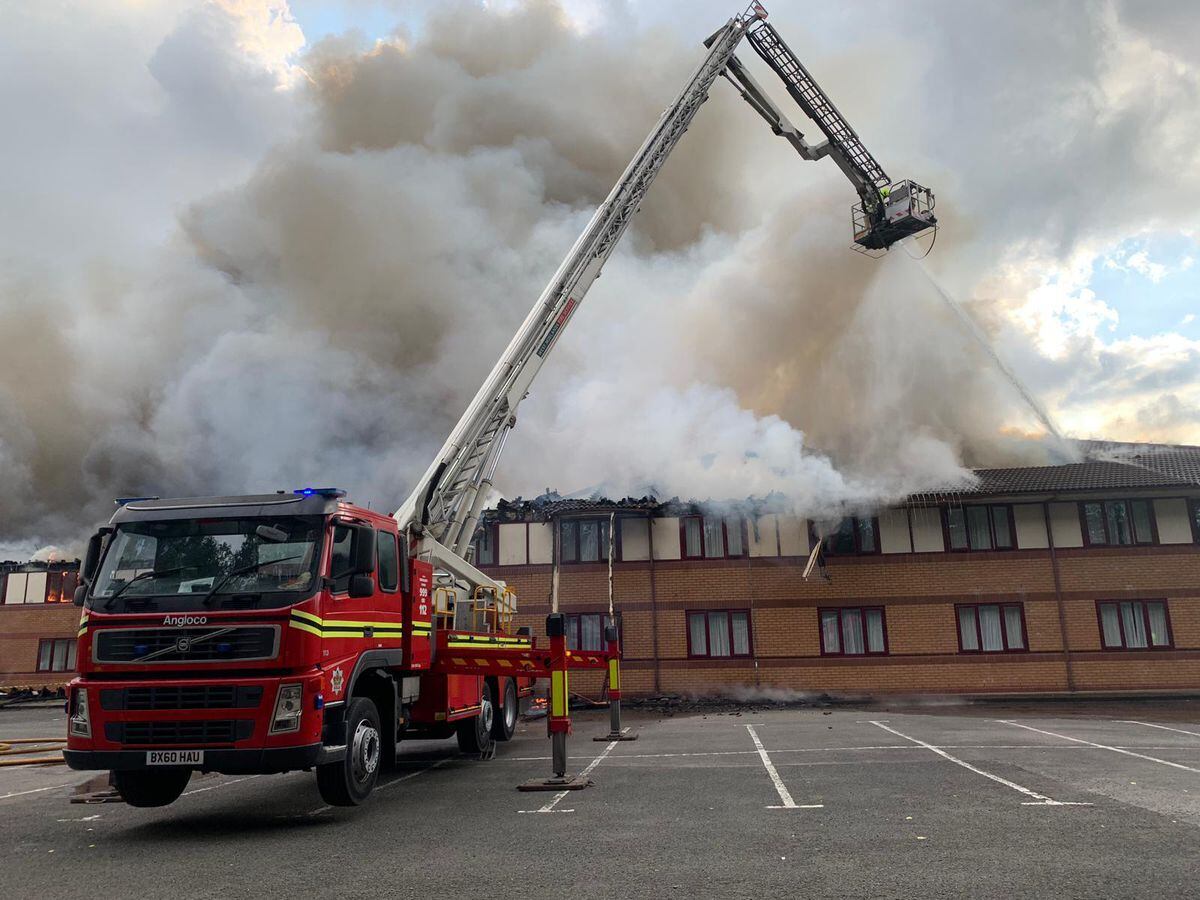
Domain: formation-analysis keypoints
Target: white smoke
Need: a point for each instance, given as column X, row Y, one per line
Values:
column 300, row 266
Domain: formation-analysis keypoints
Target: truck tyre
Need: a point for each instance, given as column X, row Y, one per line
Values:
column 475, row 734
column 146, row 788
column 350, row 780
column 505, row 721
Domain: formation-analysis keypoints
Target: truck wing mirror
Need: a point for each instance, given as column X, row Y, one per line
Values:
column 361, row 586
column 91, row 559
column 362, row 550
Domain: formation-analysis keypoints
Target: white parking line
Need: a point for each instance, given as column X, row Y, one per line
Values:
column 1163, row 727
column 1067, row 737
column 549, row 807
column 33, row 791
column 1038, row 799
column 784, row 796
column 220, row 784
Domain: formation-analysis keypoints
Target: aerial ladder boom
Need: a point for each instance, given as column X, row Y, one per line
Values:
column 442, row 512
column 443, row 509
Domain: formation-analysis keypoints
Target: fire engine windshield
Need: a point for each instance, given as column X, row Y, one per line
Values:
column 185, row 564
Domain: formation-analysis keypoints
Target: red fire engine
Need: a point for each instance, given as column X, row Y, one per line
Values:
column 295, row 630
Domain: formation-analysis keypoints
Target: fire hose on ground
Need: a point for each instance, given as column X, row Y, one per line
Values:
column 10, row 746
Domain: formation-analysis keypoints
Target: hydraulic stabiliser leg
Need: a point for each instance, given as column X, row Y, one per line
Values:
column 558, row 723
column 615, row 731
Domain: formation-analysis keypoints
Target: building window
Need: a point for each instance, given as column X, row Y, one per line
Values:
column 991, row 628
column 1117, row 523
column 585, row 631
column 712, row 537
column 853, row 536
column 485, row 545
column 583, row 540
column 1134, row 624
column 979, row 528
column 56, row 655
column 719, row 633
column 852, row 631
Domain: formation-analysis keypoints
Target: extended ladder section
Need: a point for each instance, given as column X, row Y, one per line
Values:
column 443, row 510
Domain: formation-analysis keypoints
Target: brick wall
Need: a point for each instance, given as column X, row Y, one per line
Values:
column 918, row 592
column 21, row 629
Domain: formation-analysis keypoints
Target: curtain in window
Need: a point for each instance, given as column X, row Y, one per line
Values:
column 741, row 633
column 1118, row 522
column 966, row 628
column 714, row 538
column 1134, row 625
column 589, row 632
column 830, row 638
column 589, row 540
column 874, row 619
column 956, row 524
column 1001, row 528
column 1110, row 624
column 852, row 632
column 604, row 536
column 718, row 634
column 1093, row 517
column 1142, row 532
column 70, row 656
column 691, row 537
column 696, row 633
column 1158, row 624
column 733, row 536
column 1013, row 629
column 44, row 653
column 866, row 535
column 977, row 526
column 572, row 625
column 989, row 628
column 569, row 546
column 59, row 663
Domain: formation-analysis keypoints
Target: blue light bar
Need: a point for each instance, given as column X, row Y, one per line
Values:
column 320, row 492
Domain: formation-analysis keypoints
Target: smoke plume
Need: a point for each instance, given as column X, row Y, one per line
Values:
column 351, row 235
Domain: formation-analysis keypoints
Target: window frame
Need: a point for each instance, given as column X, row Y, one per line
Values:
column 827, row 549
column 1003, row 628
column 724, row 554
column 380, row 535
column 1193, row 506
column 1012, row 528
column 729, row 613
column 1108, row 542
column 862, row 610
column 492, row 531
column 602, row 522
column 1169, row 645
column 70, row 662
column 577, row 626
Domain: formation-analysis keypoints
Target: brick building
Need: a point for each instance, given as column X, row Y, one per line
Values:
column 1081, row 577
column 37, row 623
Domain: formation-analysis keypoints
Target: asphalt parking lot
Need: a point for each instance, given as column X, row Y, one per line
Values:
column 757, row 804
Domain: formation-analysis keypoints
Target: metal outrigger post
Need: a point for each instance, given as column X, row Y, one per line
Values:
column 615, row 731
column 558, row 722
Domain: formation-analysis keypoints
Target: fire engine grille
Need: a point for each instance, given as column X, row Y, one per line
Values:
column 175, row 645
column 200, row 696
column 202, row 731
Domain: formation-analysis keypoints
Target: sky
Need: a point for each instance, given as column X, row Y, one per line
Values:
column 253, row 244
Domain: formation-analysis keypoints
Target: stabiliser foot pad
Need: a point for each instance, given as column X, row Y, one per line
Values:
column 624, row 734
column 572, row 783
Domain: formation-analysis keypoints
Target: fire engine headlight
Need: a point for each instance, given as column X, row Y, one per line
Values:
column 287, row 709
column 80, row 722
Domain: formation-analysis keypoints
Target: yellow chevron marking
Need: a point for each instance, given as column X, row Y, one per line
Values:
column 303, row 627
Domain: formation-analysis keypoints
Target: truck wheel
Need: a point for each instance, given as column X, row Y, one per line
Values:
column 475, row 734
column 147, row 788
column 505, row 721
column 349, row 781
